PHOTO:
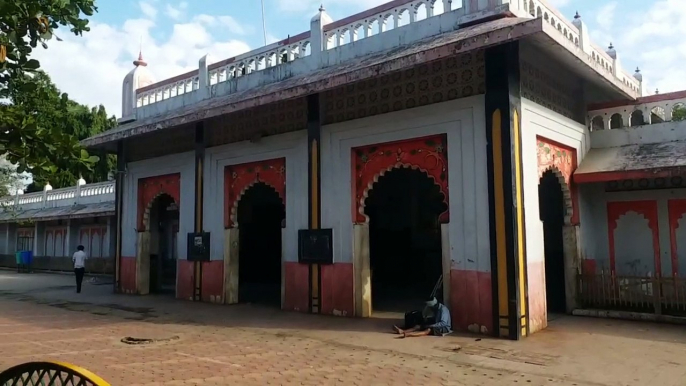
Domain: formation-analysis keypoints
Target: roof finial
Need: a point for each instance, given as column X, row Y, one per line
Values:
column 657, row 91
column 321, row 8
column 577, row 16
column 638, row 70
column 140, row 61
column 611, row 46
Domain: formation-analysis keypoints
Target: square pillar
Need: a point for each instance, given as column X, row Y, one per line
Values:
column 506, row 196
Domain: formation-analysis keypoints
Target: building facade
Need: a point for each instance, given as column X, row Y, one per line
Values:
column 51, row 224
column 351, row 169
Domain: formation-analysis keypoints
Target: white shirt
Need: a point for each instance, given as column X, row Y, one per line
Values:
column 79, row 259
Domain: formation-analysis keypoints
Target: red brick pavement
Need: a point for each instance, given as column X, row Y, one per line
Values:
column 207, row 354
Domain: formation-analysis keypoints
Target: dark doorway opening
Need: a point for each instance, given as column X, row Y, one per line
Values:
column 164, row 229
column 260, row 217
column 404, row 239
column 552, row 212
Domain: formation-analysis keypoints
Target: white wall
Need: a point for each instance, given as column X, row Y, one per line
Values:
column 293, row 147
column 184, row 164
column 597, row 242
column 463, row 121
column 656, row 133
column 539, row 121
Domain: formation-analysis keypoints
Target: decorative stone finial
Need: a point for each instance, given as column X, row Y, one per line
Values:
column 321, row 8
column 637, row 75
column 81, row 181
column 657, row 91
column 611, row 51
column 47, row 187
column 140, row 61
column 577, row 16
column 638, row 70
column 20, row 191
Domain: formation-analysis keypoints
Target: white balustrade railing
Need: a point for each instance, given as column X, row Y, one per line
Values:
column 169, row 88
column 644, row 111
column 539, row 8
column 97, row 192
column 384, row 18
column 262, row 58
column 375, row 21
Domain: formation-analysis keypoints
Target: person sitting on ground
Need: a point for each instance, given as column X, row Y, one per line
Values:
column 440, row 327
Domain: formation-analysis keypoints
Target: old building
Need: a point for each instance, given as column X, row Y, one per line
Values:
column 346, row 169
column 52, row 223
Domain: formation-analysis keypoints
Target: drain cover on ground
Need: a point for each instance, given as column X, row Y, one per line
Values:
column 131, row 340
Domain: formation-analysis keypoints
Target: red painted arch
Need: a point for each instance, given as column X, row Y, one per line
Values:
column 554, row 155
column 676, row 209
column 239, row 178
column 428, row 154
column 151, row 187
column 647, row 209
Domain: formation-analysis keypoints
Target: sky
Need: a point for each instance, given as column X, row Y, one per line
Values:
column 175, row 34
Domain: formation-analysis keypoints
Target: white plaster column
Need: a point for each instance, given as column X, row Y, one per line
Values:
column 39, row 239
column 362, row 284
column 318, row 39
column 204, row 77
column 584, row 39
column 11, row 247
column 231, row 266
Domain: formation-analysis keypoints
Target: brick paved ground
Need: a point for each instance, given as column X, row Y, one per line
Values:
column 41, row 318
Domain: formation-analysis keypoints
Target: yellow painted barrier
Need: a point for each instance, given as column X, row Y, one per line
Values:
column 49, row 374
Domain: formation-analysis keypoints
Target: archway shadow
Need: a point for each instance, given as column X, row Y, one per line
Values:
column 260, row 216
column 405, row 252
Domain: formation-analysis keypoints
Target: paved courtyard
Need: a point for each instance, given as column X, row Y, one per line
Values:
column 41, row 318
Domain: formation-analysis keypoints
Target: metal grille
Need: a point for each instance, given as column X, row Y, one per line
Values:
column 658, row 295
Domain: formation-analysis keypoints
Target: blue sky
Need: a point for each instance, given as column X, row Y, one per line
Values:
column 176, row 33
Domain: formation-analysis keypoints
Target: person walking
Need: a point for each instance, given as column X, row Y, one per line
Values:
column 79, row 258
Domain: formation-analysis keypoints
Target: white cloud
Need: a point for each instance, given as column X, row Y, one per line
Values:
column 558, row 3
column 311, row 6
column 650, row 37
column 91, row 68
column 176, row 12
column 148, row 9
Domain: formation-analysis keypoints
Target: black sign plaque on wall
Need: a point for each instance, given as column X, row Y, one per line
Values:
column 198, row 247
column 315, row 246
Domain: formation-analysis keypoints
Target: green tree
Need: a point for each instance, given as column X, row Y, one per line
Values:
column 25, row 139
column 679, row 113
column 54, row 109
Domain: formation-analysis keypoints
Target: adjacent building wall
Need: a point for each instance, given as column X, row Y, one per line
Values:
column 646, row 225
column 541, row 123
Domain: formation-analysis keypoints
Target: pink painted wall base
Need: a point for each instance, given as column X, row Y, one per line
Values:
column 471, row 301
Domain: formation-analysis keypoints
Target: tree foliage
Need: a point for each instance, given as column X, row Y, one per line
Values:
column 26, row 138
column 55, row 110
column 679, row 113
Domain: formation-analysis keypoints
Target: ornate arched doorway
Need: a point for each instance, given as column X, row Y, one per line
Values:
column 158, row 227
column 254, row 218
column 260, row 216
column 400, row 210
column 552, row 210
column 558, row 212
column 405, row 256
column 163, row 227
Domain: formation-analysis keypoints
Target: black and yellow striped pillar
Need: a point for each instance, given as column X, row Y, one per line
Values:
column 119, row 210
column 314, row 126
column 506, row 196
column 198, row 208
